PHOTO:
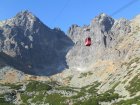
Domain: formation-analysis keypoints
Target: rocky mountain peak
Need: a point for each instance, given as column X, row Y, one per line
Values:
column 27, row 40
column 137, row 17
column 103, row 21
column 26, row 19
column 112, row 62
column 104, row 32
column 25, row 13
column 136, row 20
column 23, row 19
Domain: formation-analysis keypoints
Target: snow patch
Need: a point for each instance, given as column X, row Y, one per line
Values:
column 81, row 69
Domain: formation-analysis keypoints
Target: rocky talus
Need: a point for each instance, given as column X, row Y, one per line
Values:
column 61, row 67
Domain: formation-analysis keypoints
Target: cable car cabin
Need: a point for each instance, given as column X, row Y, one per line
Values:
column 88, row 41
column 87, row 29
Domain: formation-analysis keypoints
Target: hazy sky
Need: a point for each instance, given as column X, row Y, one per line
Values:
column 64, row 13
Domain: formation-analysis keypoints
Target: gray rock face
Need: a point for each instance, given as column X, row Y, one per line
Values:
column 39, row 49
column 105, row 33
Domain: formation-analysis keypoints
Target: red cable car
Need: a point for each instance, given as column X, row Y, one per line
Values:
column 88, row 41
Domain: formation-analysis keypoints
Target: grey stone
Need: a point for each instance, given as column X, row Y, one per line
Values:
column 38, row 49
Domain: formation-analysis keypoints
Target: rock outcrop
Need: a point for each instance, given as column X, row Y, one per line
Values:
column 105, row 73
column 39, row 49
column 105, row 33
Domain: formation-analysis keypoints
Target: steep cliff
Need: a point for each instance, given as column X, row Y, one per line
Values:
column 105, row 33
column 105, row 73
column 39, row 49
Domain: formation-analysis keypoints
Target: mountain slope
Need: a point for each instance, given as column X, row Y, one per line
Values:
column 40, row 49
column 114, row 43
column 106, row 73
column 105, row 33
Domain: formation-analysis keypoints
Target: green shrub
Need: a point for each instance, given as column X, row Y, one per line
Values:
column 37, row 86
column 92, row 101
column 38, row 98
column 55, row 99
column 85, row 74
column 66, row 88
column 12, row 86
column 3, row 102
column 135, row 100
column 135, row 60
column 134, row 86
column 25, row 98
column 105, row 97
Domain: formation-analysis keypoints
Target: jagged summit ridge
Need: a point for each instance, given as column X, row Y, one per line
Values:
column 30, row 35
column 25, row 18
column 36, row 46
column 105, row 21
column 25, row 13
column 109, row 67
column 105, row 33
